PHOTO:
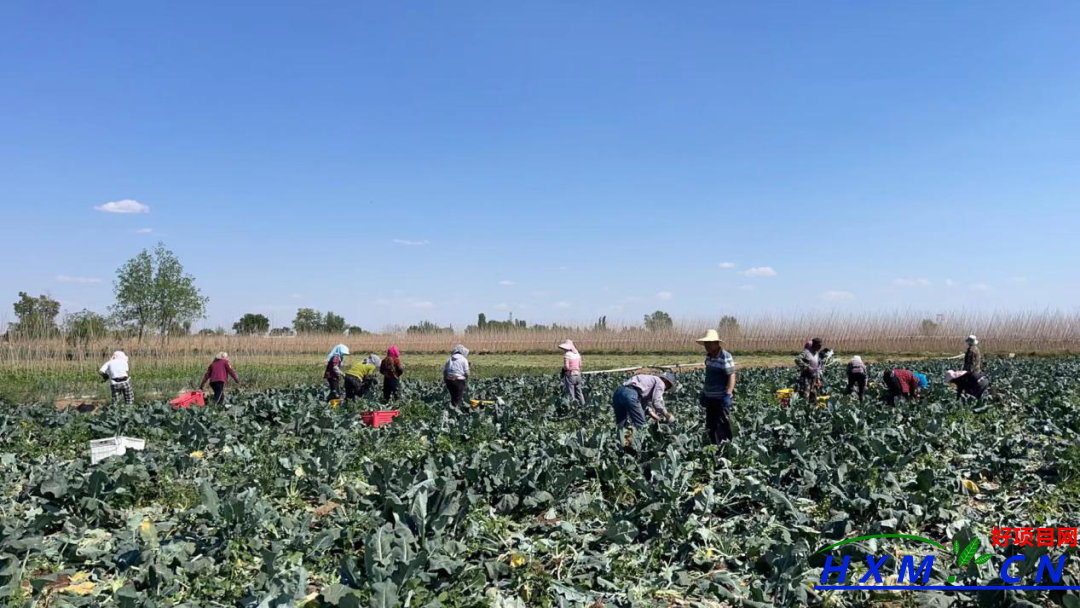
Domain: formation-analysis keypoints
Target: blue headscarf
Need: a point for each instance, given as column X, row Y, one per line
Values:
column 922, row 380
column 339, row 351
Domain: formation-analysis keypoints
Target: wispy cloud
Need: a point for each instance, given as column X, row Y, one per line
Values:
column 63, row 278
column 759, row 271
column 980, row 287
column 837, row 296
column 125, row 206
column 420, row 304
column 506, row 283
column 950, row 283
column 747, row 287
column 726, row 265
column 911, row 282
column 409, row 243
column 563, row 305
column 664, row 295
column 144, row 231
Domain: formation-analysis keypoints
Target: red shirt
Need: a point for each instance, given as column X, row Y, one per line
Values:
column 908, row 382
column 219, row 371
column 330, row 374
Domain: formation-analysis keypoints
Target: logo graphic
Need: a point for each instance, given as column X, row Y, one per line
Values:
column 967, row 555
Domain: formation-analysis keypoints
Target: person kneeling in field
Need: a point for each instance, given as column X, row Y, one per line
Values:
column 902, row 383
column 361, row 377
column 115, row 371
column 968, row 383
column 456, row 374
column 719, row 388
column 856, row 377
column 642, row 389
column 218, row 374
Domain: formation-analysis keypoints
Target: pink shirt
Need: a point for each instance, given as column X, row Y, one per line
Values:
column 572, row 362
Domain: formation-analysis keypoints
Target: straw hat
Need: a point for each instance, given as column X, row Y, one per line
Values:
column 568, row 345
column 669, row 377
column 710, row 336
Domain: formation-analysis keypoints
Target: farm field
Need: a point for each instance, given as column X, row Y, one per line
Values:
column 279, row 500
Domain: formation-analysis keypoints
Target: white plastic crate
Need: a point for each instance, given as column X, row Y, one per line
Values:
column 100, row 449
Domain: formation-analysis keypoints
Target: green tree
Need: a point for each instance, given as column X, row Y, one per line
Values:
column 354, row 330
column 252, row 323
column 601, row 324
column 333, row 324
column 154, row 294
column 308, row 321
column 427, row 327
column 729, row 325
column 282, row 331
column 84, row 326
column 37, row 316
column 658, row 321
column 481, row 321
column 929, row 327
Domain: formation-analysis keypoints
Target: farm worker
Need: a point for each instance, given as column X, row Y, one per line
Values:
column 901, row 383
column 973, row 357
column 718, row 389
column 361, row 377
column 333, row 374
column 643, row 388
column 456, row 374
column 968, row 383
column 391, row 370
column 856, row 377
column 218, row 374
column 115, row 371
column 571, row 371
column 809, row 365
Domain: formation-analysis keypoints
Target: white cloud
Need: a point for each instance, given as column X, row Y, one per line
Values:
column 837, row 296
column 63, row 278
column 950, row 283
column 144, row 231
column 759, row 271
column 980, row 287
column 664, row 295
column 727, row 265
column 747, row 288
column 506, row 283
column 563, row 304
column 911, row 282
column 125, row 206
column 409, row 243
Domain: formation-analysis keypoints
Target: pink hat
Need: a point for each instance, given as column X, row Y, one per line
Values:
column 568, row 345
column 393, row 352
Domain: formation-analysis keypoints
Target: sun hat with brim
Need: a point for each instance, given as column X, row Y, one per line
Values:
column 568, row 345
column 669, row 377
column 710, row 336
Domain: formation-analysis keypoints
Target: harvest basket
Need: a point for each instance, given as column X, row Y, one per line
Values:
column 100, row 449
column 186, row 399
column 379, row 417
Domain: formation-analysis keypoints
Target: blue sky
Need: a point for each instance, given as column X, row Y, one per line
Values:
column 400, row 161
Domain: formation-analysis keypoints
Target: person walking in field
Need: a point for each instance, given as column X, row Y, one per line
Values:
column 902, row 383
column 973, row 384
column 809, row 365
column 361, row 377
column 973, row 356
column 335, row 362
column 856, row 377
column 640, row 397
column 218, row 374
column 719, row 388
column 571, row 372
column 456, row 374
column 115, row 371
column 391, row 370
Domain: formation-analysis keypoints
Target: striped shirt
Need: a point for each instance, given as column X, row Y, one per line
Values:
column 718, row 370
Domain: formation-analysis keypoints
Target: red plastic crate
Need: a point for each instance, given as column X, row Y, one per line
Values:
column 378, row 418
column 186, row 400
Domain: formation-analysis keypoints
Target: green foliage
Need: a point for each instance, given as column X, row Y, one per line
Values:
column 531, row 503
column 36, row 317
column 154, row 294
column 658, row 321
column 333, row 324
column 252, row 324
column 83, row 326
column 927, row 327
column 427, row 327
column 308, row 321
column 728, row 325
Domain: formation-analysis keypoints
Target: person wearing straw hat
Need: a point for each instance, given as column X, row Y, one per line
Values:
column 718, row 389
column 973, row 357
column 571, row 372
column 217, row 375
column 643, row 396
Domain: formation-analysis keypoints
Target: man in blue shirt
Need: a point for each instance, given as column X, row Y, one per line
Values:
column 719, row 387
